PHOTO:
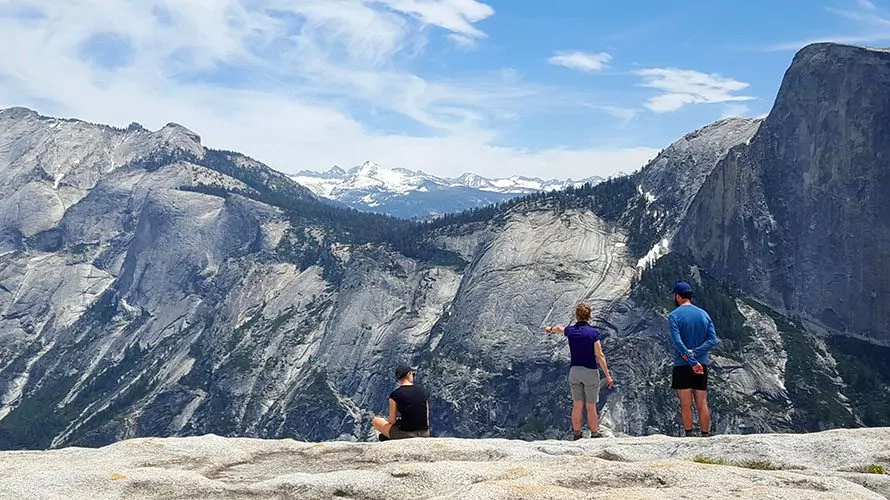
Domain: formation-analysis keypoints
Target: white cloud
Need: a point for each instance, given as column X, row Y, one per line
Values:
column 504, row 161
column 682, row 87
column 457, row 16
column 293, row 72
column 581, row 61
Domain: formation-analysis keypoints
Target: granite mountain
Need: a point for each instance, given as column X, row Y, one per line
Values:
column 150, row 286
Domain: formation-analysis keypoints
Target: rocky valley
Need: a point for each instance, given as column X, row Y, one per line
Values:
column 150, row 286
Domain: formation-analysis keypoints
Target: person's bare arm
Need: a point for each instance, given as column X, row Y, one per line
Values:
column 393, row 411
column 555, row 329
column 601, row 361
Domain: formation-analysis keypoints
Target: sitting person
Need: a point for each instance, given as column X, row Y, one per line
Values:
column 409, row 410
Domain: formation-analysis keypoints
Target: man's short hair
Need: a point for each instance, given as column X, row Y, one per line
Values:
column 686, row 295
column 582, row 312
column 403, row 371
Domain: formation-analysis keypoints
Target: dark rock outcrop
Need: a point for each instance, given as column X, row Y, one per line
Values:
column 801, row 215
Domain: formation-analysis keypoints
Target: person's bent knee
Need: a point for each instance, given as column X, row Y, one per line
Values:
column 381, row 425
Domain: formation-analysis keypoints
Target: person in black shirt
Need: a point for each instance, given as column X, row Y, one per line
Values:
column 409, row 410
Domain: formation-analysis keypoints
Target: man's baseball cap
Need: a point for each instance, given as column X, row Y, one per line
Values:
column 682, row 287
column 402, row 371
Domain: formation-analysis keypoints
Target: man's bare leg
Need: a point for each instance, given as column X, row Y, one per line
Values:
column 704, row 414
column 381, row 425
column 686, row 408
column 593, row 420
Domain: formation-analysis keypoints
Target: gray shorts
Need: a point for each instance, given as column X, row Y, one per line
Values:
column 585, row 384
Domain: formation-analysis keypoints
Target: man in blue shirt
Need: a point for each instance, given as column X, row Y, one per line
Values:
column 584, row 380
column 694, row 336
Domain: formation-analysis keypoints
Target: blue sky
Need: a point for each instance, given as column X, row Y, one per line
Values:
column 565, row 88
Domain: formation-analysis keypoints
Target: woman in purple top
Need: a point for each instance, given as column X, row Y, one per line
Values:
column 584, row 379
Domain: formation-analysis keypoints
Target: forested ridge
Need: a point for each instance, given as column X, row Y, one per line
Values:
column 610, row 199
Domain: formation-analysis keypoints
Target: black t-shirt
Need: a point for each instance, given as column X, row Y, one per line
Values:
column 411, row 405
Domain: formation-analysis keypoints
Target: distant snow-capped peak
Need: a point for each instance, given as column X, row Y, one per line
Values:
column 370, row 176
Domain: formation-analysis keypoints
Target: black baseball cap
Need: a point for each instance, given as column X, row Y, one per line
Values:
column 403, row 370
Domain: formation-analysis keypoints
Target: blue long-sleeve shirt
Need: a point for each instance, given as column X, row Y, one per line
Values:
column 693, row 333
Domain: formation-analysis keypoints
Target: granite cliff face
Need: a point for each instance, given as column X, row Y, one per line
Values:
column 667, row 186
column 800, row 215
column 152, row 287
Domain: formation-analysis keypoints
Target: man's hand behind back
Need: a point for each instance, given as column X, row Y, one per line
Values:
column 698, row 369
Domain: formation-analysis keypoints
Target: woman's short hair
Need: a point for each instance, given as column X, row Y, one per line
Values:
column 582, row 312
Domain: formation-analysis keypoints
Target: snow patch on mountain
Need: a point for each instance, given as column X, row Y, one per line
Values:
column 659, row 250
column 401, row 180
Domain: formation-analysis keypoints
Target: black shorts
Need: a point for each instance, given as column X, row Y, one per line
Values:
column 685, row 378
column 395, row 432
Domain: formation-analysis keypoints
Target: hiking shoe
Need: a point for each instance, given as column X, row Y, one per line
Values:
column 576, row 435
column 597, row 434
column 705, row 434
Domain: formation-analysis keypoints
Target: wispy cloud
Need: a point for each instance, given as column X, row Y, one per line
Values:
column 286, row 81
column 736, row 110
column 871, row 25
column 581, row 61
column 463, row 41
column 848, row 39
column 626, row 115
column 457, row 16
column 682, row 87
column 868, row 16
column 867, row 5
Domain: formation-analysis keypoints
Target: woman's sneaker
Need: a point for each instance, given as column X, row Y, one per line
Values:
column 576, row 435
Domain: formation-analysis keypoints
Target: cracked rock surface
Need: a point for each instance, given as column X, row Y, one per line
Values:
column 811, row 466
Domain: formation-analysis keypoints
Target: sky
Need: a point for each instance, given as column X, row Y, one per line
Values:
column 559, row 88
